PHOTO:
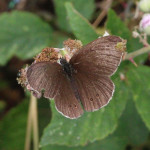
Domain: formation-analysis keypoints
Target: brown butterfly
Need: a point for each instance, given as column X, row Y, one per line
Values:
column 83, row 82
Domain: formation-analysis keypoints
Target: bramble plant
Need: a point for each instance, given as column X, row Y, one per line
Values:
column 35, row 123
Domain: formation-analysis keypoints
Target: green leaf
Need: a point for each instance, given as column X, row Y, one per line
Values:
column 139, row 83
column 117, row 27
column 131, row 130
column 13, row 128
column 2, row 105
column 58, row 39
column 81, row 28
column 115, row 143
column 90, row 127
column 131, row 127
column 85, row 8
column 23, row 34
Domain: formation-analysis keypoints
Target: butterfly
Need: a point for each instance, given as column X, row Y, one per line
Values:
column 83, row 82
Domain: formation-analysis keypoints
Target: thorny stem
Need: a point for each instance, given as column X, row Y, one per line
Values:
column 133, row 62
column 137, row 53
column 32, row 123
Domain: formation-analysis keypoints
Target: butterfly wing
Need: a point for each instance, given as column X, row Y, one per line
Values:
column 66, row 102
column 93, row 66
column 100, row 56
column 94, row 91
column 44, row 76
column 50, row 77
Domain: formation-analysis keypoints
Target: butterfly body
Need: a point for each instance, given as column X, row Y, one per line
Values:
column 67, row 68
column 84, row 80
column 68, row 72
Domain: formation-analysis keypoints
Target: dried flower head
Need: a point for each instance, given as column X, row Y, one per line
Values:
column 135, row 34
column 47, row 54
column 121, row 46
column 72, row 46
column 22, row 79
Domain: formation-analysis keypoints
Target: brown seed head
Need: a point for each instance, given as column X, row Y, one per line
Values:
column 22, row 78
column 72, row 46
column 47, row 54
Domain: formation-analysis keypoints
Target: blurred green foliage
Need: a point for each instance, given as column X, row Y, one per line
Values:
column 117, row 27
column 86, row 9
column 141, row 93
column 81, row 28
column 22, row 34
column 13, row 128
column 124, row 121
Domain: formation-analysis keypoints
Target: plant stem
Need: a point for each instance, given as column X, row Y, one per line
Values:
column 103, row 13
column 137, row 53
column 32, row 123
column 35, row 123
column 29, row 127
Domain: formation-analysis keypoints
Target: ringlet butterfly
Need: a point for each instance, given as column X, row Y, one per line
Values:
column 80, row 82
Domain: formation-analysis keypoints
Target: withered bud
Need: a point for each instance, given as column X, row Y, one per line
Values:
column 72, row 46
column 135, row 34
column 22, row 79
column 121, row 46
column 47, row 54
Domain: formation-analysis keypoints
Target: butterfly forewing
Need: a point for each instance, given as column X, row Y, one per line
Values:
column 99, row 56
column 44, row 76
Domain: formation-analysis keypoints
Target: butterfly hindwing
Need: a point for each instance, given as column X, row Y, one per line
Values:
column 95, row 91
column 65, row 100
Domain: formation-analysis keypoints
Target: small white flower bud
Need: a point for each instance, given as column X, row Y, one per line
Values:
column 144, row 5
column 135, row 34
